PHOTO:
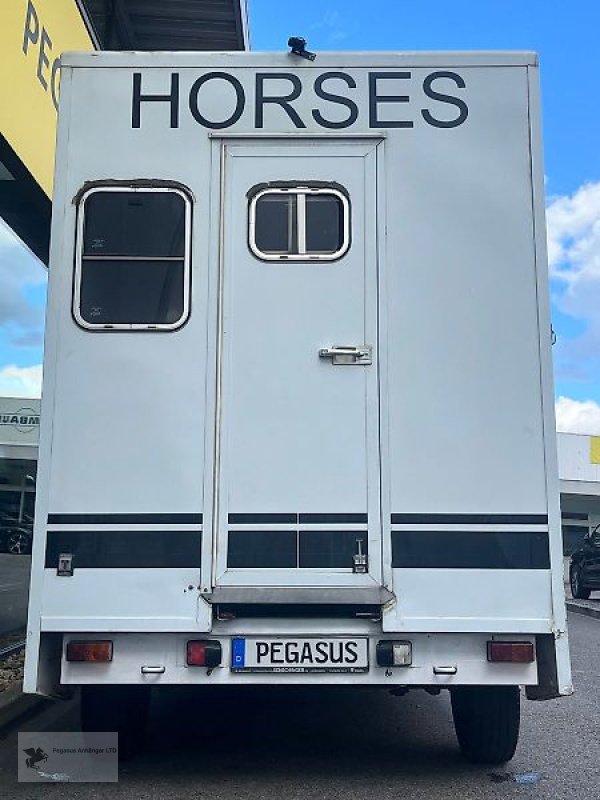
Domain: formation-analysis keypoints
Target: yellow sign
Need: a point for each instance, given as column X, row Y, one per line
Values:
column 33, row 34
column 594, row 449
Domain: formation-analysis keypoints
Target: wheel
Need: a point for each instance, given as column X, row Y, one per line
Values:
column 18, row 542
column 122, row 709
column 578, row 590
column 486, row 720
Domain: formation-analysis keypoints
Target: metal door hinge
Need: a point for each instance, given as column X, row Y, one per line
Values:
column 348, row 355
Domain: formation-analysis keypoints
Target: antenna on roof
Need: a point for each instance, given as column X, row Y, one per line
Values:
column 298, row 47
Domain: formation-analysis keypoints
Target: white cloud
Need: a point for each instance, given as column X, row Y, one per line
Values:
column 574, row 260
column 20, row 272
column 574, row 234
column 21, row 381
column 577, row 416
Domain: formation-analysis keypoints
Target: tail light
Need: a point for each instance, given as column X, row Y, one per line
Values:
column 511, row 652
column 99, row 652
column 203, row 653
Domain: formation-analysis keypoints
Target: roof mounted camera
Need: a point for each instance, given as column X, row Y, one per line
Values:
column 298, row 47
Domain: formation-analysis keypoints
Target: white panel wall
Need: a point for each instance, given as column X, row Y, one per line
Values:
column 574, row 458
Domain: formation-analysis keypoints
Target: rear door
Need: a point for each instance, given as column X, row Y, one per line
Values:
column 297, row 457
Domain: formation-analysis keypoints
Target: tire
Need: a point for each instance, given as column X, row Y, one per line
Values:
column 578, row 590
column 486, row 720
column 18, row 543
column 122, row 709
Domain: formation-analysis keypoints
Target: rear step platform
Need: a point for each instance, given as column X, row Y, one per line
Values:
column 266, row 595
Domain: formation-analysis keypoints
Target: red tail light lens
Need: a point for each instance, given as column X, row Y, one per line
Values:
column 203, row 653
column 97, row 652
column 511, row 652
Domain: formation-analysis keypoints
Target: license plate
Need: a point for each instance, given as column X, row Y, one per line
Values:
column 269, row 654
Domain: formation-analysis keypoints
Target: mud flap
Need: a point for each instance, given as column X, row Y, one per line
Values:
column 547, row 687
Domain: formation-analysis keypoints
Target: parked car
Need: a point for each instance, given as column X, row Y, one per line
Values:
column 584, row 572
column 15, row 537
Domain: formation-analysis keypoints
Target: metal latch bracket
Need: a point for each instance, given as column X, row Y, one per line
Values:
column 65, row 565
column 360, row 562
column 343, row 355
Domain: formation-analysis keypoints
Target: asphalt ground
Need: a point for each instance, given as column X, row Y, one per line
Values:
column 345, row 744
column 14, row 591
column 590, row 607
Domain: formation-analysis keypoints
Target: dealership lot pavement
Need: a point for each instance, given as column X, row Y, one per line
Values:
column 14, row 591
column 590, row 607
column 341, row 745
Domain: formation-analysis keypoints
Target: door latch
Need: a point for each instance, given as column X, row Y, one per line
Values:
column 348, row 355
column 65, row 565
column 359, row 559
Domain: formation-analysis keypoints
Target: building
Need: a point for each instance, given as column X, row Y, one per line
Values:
column 19, row 436
column 579, row 470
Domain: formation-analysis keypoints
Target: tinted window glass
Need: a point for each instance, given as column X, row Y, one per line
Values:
column 131, row 292
column 133, row 268
column 324, row 223
column 134, row 224
column 300, row 223
column 276, row 230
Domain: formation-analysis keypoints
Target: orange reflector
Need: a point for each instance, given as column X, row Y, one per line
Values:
column 98, row 651
column 511, row 652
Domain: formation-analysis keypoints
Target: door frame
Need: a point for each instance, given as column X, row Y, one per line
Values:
column 379, row 545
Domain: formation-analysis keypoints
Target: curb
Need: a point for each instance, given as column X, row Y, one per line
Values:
column 583, row 610
column 14, row 705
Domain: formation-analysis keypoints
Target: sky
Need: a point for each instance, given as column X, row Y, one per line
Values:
column 565, row 34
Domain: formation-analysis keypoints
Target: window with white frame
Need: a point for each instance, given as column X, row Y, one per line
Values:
column 299, row 223
column 132, row 258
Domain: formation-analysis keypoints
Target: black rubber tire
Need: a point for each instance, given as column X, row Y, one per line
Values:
column 578, row 590
column 486, row 720
column 122, row 709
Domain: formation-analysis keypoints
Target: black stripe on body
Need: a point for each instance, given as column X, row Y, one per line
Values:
column 470, row 550
column 102, row 549
column 469, row 519
column 125, row 519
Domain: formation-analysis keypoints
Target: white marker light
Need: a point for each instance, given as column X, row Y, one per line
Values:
column 392, row 653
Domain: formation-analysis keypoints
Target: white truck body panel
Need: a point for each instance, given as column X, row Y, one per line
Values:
column 232, row 436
